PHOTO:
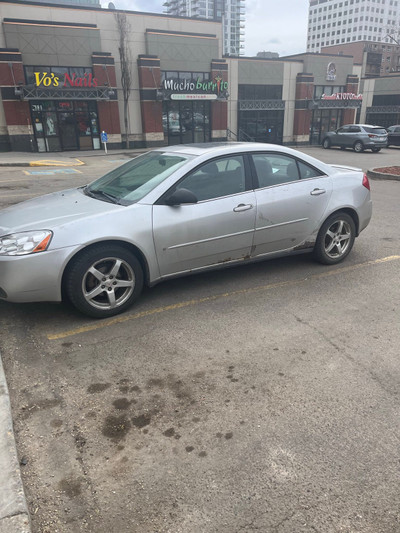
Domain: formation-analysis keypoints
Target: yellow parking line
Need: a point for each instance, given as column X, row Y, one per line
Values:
column 191, row 303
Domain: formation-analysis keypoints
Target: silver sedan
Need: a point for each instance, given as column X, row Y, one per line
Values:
column 173, row 211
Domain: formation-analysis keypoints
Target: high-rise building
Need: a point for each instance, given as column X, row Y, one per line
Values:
column 332, row 22
column 94, row 3
column 229, row 12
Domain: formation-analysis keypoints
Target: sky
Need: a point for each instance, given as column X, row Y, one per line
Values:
column 271, row 25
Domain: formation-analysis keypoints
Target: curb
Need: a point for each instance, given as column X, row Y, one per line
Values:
column 14, row 516
column 382, row 176
column 44, row 163
column 14, row 164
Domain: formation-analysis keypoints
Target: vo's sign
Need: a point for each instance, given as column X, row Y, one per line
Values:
column 44, row 79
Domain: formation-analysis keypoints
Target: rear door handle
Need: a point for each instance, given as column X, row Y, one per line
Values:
column 242, row 207
column 317, row 192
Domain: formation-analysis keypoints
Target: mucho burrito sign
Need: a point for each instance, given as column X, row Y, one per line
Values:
column 195, row 89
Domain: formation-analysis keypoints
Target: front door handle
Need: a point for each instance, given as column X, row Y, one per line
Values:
column 317, row 192
column 242, row 207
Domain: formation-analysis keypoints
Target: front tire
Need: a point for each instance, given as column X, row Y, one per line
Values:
column 358, row 147
column 326, row 143
column 104, row 281
column 335, row 239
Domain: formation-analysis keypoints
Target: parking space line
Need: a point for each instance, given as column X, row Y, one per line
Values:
column 55, row 163
column 52, row 171
column 191, row 303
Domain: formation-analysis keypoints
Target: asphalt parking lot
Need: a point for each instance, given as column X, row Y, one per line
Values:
column 258, row 398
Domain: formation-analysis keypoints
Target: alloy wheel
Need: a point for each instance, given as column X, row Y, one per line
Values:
column 337, row 239
column 108, row 283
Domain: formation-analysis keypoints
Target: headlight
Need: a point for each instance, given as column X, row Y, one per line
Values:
column 28, row 242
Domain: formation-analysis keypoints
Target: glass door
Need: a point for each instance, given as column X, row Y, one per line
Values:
column 186, row 122
column 324, row 120
column 68, row 131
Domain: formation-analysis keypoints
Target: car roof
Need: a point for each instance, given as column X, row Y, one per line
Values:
column 210, row 150
column 220, row 148
column 363, row 125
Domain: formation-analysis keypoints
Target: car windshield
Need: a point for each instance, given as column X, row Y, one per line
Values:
column 376, row 131
column 130, row 182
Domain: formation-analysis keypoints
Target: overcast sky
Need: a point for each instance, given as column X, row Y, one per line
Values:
column 275, row 26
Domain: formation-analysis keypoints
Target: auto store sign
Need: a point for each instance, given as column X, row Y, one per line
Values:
column 342, row 96
column 195, row 89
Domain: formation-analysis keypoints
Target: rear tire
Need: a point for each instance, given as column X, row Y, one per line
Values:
column 358, row 147
column 376, row 150
column 335, row 239
column 326, row 143
column 343, row 148
column 104, row 281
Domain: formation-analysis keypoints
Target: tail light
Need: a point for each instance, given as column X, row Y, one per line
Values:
column 365, row 182
column 372, row 136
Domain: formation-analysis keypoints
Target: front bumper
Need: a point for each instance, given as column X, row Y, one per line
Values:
column 35, row 277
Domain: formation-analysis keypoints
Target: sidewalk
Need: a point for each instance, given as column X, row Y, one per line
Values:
column 14, row 517
column 62, row 159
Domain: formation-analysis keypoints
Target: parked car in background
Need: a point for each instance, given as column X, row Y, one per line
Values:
column 174, row 211
column 359, row 137
column 393, row 135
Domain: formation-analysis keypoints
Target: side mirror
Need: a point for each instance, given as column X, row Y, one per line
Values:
column 181, row 196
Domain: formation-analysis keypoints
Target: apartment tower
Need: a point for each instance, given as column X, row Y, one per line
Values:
column 229, row 12
column 333, row 22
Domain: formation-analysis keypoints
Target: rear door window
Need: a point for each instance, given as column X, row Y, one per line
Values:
column 376, row 131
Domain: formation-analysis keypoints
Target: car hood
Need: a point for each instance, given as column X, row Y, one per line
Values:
column 52, row 210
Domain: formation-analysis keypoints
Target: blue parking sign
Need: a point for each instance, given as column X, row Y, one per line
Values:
column 104, row 137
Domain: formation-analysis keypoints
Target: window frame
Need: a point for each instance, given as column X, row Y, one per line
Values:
column 248, row 178
column 296, row 160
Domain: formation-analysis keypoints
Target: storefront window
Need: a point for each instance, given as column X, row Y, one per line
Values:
column 261, row 126
column 319, row 90
column 50, row 124
column 186, row 122
column 324, row 120
column 383, row 119
column 169, row 74
column 65, row 106
column 65, row 125
column 260, row 92
column 59, row 71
